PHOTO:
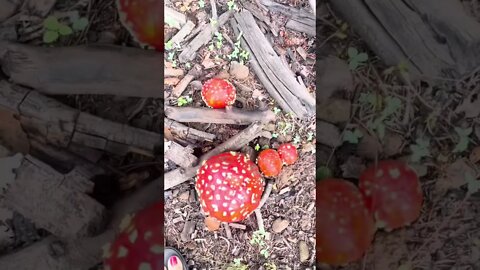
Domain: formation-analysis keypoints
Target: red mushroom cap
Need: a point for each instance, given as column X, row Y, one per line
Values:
column 288, row 153
column 139, row 244
column 229, row 186
column 392, row 193
column 144, row 20
column 218, row 93
column 269, row 162
column 345, row 228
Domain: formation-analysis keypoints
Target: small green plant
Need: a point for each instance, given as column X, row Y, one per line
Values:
column 170, row 56
column 270, row 266
column 169, row 45
column 285, row 127
column 473, row 184
column 276, row 110
column 463, row 139
column 420, row 149
column 184, row 100
column 297, row 140
column 201, row 4
column 392, row 105
column 342, row 31
column 323, row 172
column 356, row 59
column 352, row 136
column 258, row 238
column 78, row 23
column 274, row 135
column 54, row 29
column 231, row 5
column 237, row 265
column 238, row 53
column 257, row 147
column 310, row 136
column 219, row 41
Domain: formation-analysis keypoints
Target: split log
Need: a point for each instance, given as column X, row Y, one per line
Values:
column 205, row 35
column 218, row 116
column 438, row 39
column 182, row 156
column 181, row 175
column 182, row 34
column 174, row 18
column 299, row 20
column 279, row 81
column 93, row 69
column 192, row 74
column 187, row 132
column 55, row 123
column 55, row 202
column 54, row 253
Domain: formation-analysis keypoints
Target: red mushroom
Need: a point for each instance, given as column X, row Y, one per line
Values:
column 269, row 162
column 139, row 244
column 218, row 93
column 392, row 193
column 345, row 228
column 288, row 153
column 144, row 20
column 229, row 186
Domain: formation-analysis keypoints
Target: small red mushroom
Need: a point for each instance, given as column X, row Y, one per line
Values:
column 345, row 228
column 269, row 162
column 139, row 244
column 288, row 153
column 392, row 193
column 229, row 186
column 218, row 93
column 144, row 20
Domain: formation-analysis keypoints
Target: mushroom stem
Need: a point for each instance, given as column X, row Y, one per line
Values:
column 266, row 194
column 258, row 215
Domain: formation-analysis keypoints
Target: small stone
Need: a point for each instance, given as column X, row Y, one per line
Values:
column 279, row 225
column 304, row 253
column 239, row 71
column 184, row 196
column 196, row 85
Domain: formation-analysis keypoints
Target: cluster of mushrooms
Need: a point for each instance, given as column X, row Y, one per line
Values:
column 388, row 197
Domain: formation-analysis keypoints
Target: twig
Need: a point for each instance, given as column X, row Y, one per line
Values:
column 218, row 116
column 227, row 230
column 214, row 10
column 187, row 132
column 258, row 215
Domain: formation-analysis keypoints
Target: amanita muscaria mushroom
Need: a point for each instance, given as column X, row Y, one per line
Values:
column 144, row 20
column 229, row 186
column 139, row 243
column 218, row 93
column 288, row 153
column 269, row 162
column 345, row 228
column 392, row 193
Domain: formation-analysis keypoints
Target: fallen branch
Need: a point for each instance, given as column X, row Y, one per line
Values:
column 54, row 123
column 174, row 18
column 300, row 20
column 182, row 156
column 180, row 175
column 173, row 72
column 79, row 254
column 279, row 81
column 182, row 34
column 92, row 69
column 180, row 88
column 218, row 116
column 186, row 132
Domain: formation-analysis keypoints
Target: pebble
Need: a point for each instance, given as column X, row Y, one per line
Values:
column 279, row 225
column 304, row 253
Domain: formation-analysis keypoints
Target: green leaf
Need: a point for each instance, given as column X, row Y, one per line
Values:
column 201, row 4
column 352, row 52
column 80, row 24
column 362, row 57
column 463, row 139
column 323, row 172
column 353, row 64
column 65, row 30
column 420, row 150
column 257, row 147
column 472, row 183
column 51, row 23
column 352, row 136
column 50, row 36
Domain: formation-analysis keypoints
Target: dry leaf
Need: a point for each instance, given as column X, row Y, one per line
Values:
column 207, row 62
column 470, row 106
column 171, row 81
column 475, row 155
column 454, row 176
column 212, row 223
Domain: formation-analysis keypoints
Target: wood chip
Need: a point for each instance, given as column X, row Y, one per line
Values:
column 187, row 231
column 304, row 252
column 238, row 226
column 283, row 191
column 279, row 225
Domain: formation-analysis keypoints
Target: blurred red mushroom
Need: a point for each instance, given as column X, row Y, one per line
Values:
column 392, row 193
column 345, row 228
column 288, row 153
column 218, row 93
column 269, row 162
column 229, row 186
column 144, row 20
column 139, row 244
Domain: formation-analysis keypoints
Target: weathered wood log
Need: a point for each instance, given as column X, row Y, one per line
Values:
column 438, row 39
column 54, row 253
column 218, row 116
column 299, row 20
column 181, row 175
column 93, row 69
column 183, row 84
column 48, row 119
column 174, row 18
column 202, row 38
column 54, row 201
column 182, row 34
column 186, row 132
column 182, row 156
column 279, row 81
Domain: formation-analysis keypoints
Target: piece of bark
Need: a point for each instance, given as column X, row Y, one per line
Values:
column 90, row 69
column 276, row 78
column 206, row 34
column 182, row 34
column 182, row 85
column 259, row 15
column 182, row 156
column 174, row 18
column 180, row 175
column 187, row 132
column 218, row 116
column 173, row 72
column 300, row 20
column 55, row 202
column 53, row 253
